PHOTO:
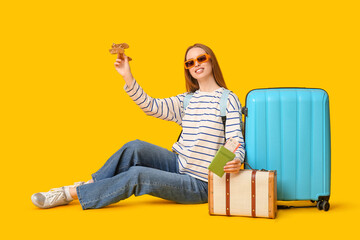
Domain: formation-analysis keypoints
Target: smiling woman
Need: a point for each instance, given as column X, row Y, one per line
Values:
column 209, row 64
column 142, row 168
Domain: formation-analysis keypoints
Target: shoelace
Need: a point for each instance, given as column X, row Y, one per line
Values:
column 54, row 194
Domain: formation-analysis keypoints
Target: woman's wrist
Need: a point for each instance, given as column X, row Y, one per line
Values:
column 129, row 79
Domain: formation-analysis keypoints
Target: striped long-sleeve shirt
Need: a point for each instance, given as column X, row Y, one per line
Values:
column 203, row 130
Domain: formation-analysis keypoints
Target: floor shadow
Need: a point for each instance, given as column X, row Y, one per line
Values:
column 139, row 203
column 333, row 206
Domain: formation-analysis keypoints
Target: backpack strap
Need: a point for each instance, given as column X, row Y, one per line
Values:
column 187, row 99
column 223, row 104
column 186, row 102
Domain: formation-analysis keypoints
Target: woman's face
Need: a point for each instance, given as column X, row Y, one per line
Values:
column 199, row 71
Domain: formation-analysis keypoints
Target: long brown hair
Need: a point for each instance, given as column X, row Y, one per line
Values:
column 191, row 83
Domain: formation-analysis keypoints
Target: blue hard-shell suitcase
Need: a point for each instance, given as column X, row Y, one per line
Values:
column 288, row 130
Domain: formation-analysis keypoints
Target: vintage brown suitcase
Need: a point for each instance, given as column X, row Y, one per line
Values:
column 250, row 193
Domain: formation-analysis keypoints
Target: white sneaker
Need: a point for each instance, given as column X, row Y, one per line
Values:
column 54, row 197
column 77, row 184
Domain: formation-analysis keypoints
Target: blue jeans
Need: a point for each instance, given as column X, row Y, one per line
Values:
column 141, row 168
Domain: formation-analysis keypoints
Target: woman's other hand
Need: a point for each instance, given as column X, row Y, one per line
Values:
column 233, row 166
column 123, row 67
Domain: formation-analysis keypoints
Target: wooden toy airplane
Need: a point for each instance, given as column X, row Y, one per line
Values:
column 119, row 49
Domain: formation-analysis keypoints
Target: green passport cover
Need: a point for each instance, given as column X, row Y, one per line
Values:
column 222, row 156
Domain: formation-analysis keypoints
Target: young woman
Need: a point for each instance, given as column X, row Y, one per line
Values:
column 142, row 168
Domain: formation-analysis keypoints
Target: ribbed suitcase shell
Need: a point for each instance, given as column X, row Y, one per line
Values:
column 288, row 130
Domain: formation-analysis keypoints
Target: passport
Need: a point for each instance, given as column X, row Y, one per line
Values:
column 222, row 156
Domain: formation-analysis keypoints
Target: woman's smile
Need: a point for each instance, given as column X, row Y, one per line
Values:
column 199, row 70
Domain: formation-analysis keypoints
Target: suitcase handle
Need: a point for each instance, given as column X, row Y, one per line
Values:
column 254, row 169
column 248, row 165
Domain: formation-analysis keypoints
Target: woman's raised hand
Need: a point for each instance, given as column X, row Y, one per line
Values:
column 123, row 67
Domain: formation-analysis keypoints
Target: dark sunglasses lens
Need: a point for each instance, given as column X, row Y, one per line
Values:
column 190, row 63
column 201, row 58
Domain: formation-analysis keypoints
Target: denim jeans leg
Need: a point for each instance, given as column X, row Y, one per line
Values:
column 139, row 180
column 141, row 168
column 136, row 153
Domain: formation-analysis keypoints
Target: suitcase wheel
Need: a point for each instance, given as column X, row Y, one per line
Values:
column 323, row 205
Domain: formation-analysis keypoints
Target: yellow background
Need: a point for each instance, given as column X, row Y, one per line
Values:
column 64, row 110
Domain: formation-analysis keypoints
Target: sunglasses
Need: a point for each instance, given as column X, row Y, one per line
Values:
column 200, row 59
